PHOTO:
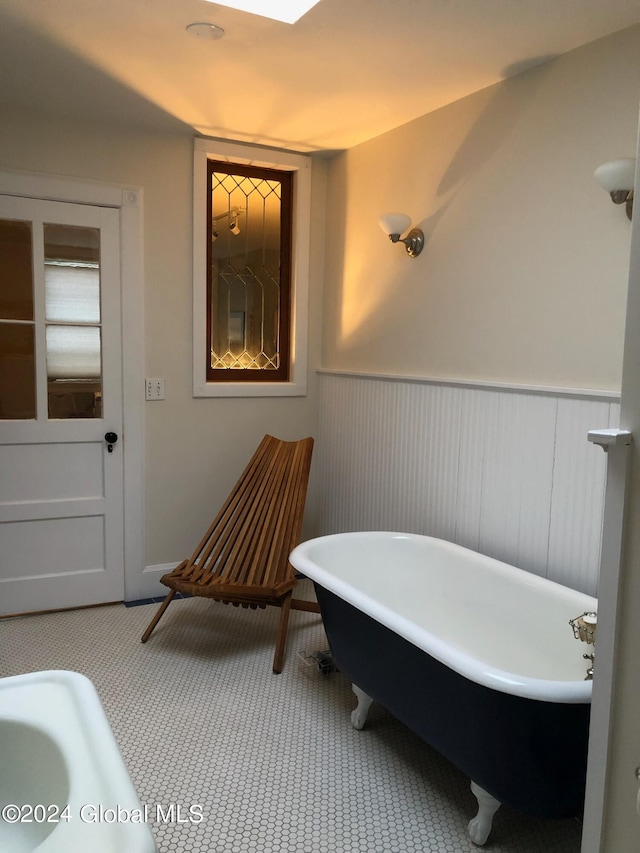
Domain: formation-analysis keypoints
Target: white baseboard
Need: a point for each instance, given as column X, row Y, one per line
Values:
column 148, row 582
column 160, row 568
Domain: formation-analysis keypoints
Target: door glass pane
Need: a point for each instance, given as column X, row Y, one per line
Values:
column 72, row 293
column 73, row 353
column 17, row 371
column 16, row 271
column 17, row 340
column 72, row 314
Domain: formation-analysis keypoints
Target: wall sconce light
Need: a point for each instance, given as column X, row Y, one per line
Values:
column 395, row 224
column 618, row 179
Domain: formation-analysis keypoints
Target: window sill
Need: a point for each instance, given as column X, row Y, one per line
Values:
column 250, row 389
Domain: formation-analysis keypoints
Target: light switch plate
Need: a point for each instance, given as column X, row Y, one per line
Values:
column 154, row 389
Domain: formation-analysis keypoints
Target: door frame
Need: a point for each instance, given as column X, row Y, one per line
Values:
column 128, row 200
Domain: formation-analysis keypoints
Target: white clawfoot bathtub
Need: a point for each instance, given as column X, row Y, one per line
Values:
column 64, row 787
column 474, row 655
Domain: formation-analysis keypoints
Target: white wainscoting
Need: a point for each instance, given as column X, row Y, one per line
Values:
column 504, row 470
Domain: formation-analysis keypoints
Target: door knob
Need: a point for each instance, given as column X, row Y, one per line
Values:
column 110, row 438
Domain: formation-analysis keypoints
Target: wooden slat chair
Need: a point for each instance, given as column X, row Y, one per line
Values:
column 243, row 558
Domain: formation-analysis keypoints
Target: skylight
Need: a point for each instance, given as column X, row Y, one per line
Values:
column 287, row 11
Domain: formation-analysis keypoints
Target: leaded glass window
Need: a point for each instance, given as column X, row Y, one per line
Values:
column 249, row 267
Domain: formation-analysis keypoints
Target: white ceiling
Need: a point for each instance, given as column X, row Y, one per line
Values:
column 347, row 71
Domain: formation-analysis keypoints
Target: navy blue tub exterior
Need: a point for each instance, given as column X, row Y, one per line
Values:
column 527, row 753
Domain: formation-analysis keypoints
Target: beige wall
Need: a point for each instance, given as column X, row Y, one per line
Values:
column 524, row 275
column 195, row 449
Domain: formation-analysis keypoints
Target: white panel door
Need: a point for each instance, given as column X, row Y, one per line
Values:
column 61, row 489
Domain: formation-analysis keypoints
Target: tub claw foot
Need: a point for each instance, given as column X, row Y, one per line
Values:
column 359, row 713
column 480, row 826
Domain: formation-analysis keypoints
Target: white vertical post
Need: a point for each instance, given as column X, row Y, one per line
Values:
column 616, row 444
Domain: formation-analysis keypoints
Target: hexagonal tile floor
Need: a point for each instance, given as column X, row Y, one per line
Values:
column 230, row 758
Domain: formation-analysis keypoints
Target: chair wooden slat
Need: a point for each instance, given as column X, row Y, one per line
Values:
column 244, row 556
